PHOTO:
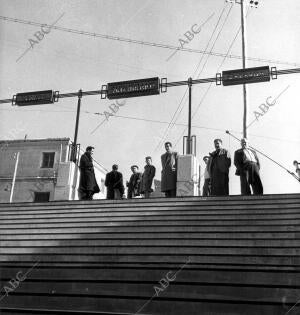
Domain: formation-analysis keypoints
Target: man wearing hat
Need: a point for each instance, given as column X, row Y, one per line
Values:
column 87, row 183
column 134, row 184
column 206, row 191
column 247, row 167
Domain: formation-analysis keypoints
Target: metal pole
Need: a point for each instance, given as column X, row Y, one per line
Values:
column 14, row 178
column 76, row 126
column 243, row 25
column 189, row 138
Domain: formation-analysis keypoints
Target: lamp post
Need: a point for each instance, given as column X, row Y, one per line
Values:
column 244, row 47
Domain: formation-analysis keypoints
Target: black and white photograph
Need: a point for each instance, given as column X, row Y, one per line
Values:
column 150, row 157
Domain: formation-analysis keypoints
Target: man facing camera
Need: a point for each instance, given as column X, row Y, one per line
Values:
column 220, row 162
column 247, row 167
column 169, row 171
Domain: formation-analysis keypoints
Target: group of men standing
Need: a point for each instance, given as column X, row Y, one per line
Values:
column 247, row 164
column 139, row 183
column 216, row 174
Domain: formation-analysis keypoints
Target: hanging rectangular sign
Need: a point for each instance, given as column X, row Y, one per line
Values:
column 244, row 76
column 34, row 98
column 133, row 88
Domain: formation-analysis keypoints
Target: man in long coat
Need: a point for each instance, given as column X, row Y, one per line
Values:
column 134, row 184
column 247, row 167
column 87, row 183
column 147, row 179
column 219, row 165
column 169, row 171
column 114, row 184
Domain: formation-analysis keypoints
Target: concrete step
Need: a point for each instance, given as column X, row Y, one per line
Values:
column 152, row 222
column 146, row 305
column 142, row 250
column 249, row 259
column 150, row 217
column 138, row 242
column 162, row 202
column 142, row 228
column 175, row 291
column 278, row 278
column 226, row 267
column 157, row 235
column 139, row 206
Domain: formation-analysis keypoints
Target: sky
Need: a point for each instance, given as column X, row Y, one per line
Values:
column 67, row 61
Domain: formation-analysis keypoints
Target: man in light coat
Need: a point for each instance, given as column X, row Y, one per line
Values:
column 247, row 167
column 169, row 171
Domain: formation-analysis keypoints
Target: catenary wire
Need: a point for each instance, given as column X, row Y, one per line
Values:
column 165, row 133
column 151, row 121
column 209, row 87
column 203, row 66
column 140, row 42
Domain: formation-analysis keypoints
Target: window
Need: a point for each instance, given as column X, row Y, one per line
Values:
column 48, row 159
column 41, row 196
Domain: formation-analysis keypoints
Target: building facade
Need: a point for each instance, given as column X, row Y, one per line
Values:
column 43, row 171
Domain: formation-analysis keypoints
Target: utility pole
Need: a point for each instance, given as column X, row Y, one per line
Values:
column 189, row 138
column 243, row 28
column 14, row 177
column 244, row 52
column 74, row 149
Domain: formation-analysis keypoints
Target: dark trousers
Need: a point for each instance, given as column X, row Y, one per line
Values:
column 87, row 195
column 170, row 193
column 206, row 188
column 110, row 193
column 250, row 177
column 219, row 184
column 114, row 193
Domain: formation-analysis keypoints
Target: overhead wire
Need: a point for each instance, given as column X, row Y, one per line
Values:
column 153, row 121
column 185, row 93
column 210, row 85
column 220, row 30
column 208, row 56
column 140, row 42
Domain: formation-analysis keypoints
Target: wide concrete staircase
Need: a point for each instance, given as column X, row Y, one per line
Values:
column 183, row 256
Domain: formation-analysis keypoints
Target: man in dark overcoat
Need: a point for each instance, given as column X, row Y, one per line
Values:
column 114, row 184
column 87, row 183
column 147, row 178
column 134, row 184
column 169, row 171
column 219, row 165
column 247, row 167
